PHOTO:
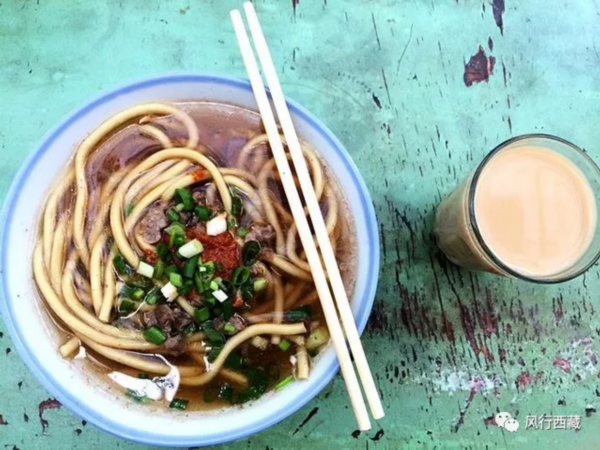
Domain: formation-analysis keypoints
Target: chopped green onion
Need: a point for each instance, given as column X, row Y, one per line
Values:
column 155, row 335
column 187, row 287
column 179, row 403
column 137, row 294
column 175, row 279
column 171, row 269
column 190, row 266
column 285, row 345
column 317, row 338
column 145, row 270
column 180, row 207
column 128, row 209
column 169, row 291
column 202, row 314
column 237, row 206
column 163, row 251
column 191, row 249
column 232, row 223
column 204, row 213
column 250, row 252
column 214, row 353
column 242, row 232
column 216, row 225
column 208, row 269
column 229, row 328
column 159, row 268
column 134, row 395
column 212, row 334
column 283, row 383
column 127, row 306
column 226, row 392
column 298, row 314
column 120, row 265
column 189, row 330
column 227, row 310
column 220, row 295
column 234, row 361
column 177, row 240
column 240, row 275
column 175, row 228
column 172, row 215
column 260, row 284
column 185, row 195
column 214, row 285
column 153, row 297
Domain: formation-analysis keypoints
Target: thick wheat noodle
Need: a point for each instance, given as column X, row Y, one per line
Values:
column 154, row 177
column 235, row 341
column 263, row 192
column 316, row 169
column 88, row 145
column 254, row 206
column 110, row 281
column 289, row 297
column 264, row 314
column 69, row 347
column 73, row 323
column 277, row 307
column 153, row 132
column 227, row 374
column 83, row 314
column 116, row 213
column 186, row 306
column 240, row 173
column 196, row 337
column 57, row 260
column 211, row 192
column 50, row 213
column 303, row 364
column 96, row 278
column 331, row 223
column 309, row 299
column 106, row 195
column 284, row 213
column 244, row 153
column 286, row 266
column 127, row 359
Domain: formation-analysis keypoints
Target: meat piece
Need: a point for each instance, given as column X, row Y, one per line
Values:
column 175, row 345
column 199, row 196
column 265, row 234
column 150, row 319
column 238, row 322
column 151, row 226
column 164, row 317
column 185, row 217
column 181, row 319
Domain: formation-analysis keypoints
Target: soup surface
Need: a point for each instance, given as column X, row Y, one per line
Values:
column 169, row 258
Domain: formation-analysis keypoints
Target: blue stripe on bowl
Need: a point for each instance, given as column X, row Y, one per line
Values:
column 16, row 330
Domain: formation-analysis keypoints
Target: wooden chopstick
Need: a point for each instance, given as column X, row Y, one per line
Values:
column 314, row 261
column 316, row 216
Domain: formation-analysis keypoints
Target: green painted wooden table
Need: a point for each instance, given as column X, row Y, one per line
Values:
column 395, row 80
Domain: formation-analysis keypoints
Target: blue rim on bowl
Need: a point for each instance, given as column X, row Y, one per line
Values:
column 16, row 330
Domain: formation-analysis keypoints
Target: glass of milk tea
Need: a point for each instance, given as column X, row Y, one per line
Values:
column 528, row 211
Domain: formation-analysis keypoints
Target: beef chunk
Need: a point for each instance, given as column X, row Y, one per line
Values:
column 265, row 234
column 238, row 322
column 171, row 320
column 151, row 226
column 175, row 345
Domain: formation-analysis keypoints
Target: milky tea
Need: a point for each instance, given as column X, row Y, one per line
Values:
column 529, row 211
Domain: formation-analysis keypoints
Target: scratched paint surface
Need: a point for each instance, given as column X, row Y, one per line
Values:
column 418, row 91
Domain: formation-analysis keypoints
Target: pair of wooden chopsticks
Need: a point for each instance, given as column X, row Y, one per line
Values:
column 293, row 197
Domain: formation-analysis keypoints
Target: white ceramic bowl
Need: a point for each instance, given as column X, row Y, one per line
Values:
column 34, row 335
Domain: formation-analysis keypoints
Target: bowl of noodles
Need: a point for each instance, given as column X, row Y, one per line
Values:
column 151, row 274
